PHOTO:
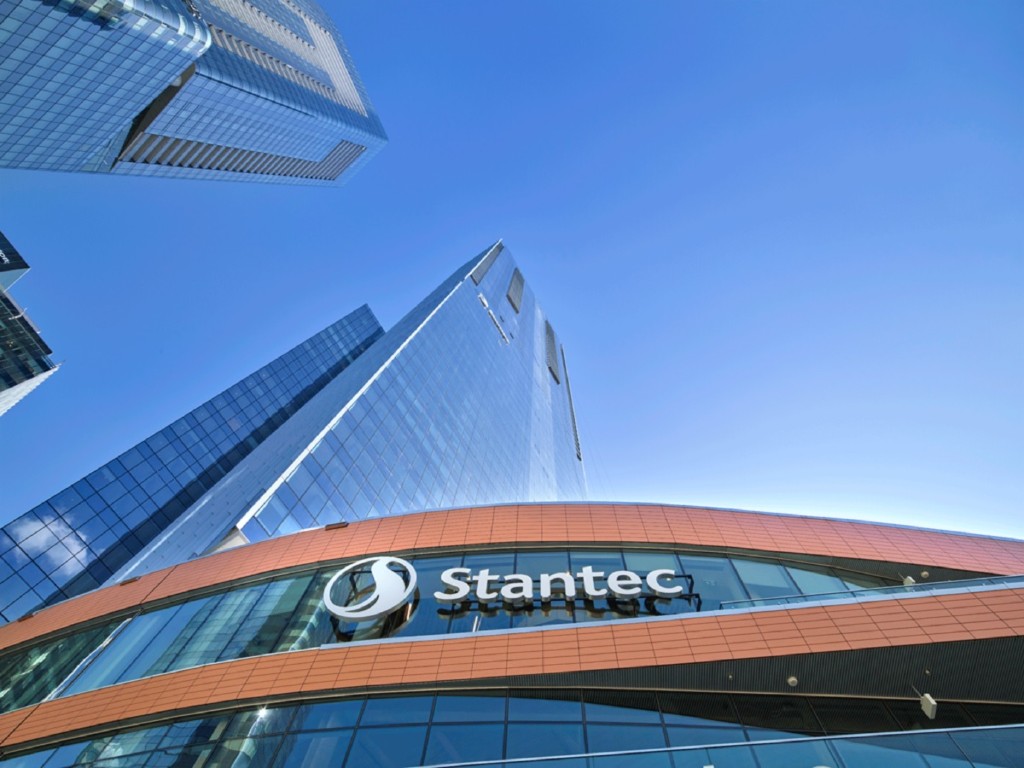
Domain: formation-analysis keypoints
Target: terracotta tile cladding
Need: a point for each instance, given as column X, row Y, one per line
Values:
column 572, row 648
column 540, row 523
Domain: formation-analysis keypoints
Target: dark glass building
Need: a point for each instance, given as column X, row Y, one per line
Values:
column 24, row 357
column 464, row 401
column 217, row 89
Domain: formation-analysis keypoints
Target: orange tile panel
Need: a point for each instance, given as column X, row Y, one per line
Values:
column 564, row 649
column 537, row 524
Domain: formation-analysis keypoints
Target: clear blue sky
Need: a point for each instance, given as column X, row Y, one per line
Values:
column 783, row 244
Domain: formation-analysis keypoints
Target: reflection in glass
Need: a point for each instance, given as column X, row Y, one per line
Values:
column 312, row 750
column 459, row 743
column 387, row 747
column 764, row 579
column 538, row 739
column 714, row 579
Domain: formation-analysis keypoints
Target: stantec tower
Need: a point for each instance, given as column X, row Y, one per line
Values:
column 465, row 401
column 321, row 625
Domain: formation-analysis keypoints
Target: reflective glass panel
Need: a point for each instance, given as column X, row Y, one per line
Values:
column 388, row 747
column 537, row 739
column 457, row 743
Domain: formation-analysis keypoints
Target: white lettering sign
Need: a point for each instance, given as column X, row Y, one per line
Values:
column 517, row 588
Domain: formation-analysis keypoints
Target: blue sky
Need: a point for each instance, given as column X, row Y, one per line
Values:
column 782, row 243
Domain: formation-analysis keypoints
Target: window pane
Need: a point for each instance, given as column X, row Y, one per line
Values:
column 27, row 677
column 874, row 751
column 463, row 743
column 259, row 631
column 252, row 753
column 387, row 747
column 697, row 709
column 313, row 750
column 731, row 757
column 862, row 581
column 466, row 709
column 650, row 760
column 621, row 707
column 427, row 619
column 107, row 667
column 494, row 617
column 605, row 737
column 854, row 716
column 557, row 611
column 170, row 649
column 782, row 715
column 333, row 714
column 764, row 579
column 695, row 735
column 911, row 718
column 524, row 707
column 809, row 753
column 397, row 710
column 992, row 747
column 645, row 562
column 995, row 714
column 35, row 760
column 816, row 581
column 539, row 739
column 714, row 579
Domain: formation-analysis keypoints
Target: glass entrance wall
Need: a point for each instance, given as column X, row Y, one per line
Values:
column 288, row 614
column 457, row 728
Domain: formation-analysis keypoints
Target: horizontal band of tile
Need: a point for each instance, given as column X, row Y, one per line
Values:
column 568, row 649
column 539, row 524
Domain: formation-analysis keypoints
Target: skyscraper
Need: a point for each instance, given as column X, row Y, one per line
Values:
column 217, row 89
column 546, row 635
column 464, row 401
column 24, row 357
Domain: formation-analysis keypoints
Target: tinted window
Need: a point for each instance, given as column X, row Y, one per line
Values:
column 714, row 579
column 459, row 743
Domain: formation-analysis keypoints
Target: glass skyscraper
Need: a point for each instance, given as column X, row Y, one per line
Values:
column 24, row 357
column 464, row 401
column 217, row 89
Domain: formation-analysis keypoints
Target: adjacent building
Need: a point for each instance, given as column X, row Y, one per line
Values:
column 464, row 401
column 24, row 357
column 261, row 90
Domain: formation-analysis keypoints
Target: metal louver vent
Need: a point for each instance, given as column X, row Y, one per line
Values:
column 572, row 409
column 486, row 263
column 153, row 149
column 552, row 351
column 515, row 290
column 263, row 59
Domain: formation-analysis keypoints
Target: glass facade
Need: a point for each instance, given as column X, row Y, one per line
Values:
column 75, row 73
column 77, row 539
column 220, row 89
column 453, row 406
column 455, row 728
column 288, row 614
column 467, row 413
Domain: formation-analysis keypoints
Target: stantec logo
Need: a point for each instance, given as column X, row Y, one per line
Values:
column 391, row 589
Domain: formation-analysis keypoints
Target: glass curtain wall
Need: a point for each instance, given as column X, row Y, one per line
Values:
column 455, row 728
column 288, row 614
